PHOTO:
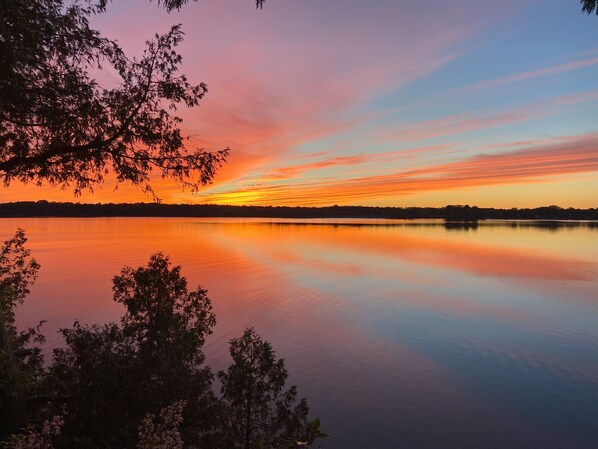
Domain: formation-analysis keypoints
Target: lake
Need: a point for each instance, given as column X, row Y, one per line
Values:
column 401, row 334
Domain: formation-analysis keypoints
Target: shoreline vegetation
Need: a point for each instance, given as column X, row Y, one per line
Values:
column 141, row 382
column 449, row 213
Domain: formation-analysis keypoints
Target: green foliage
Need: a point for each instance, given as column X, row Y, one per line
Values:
column 162, row 316
column 90, row 380
column 257, row 411
column 109, row 377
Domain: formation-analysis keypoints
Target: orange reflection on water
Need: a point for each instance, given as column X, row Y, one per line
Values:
column 479, row 258
column 457, row 328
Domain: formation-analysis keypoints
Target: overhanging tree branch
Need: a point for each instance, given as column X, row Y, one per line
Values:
column 59, row 126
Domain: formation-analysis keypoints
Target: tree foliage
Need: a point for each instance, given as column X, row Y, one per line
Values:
column 162, row 431
column 142, row 382
column 18, row 272
column 36, row 439
column 162, row 315
column 109, row 377
column 59, row 126
column 20, row 364
column 589, row 6
column 258, row 412
column 173, row 4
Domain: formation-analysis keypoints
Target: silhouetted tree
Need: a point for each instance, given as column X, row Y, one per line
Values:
column 167, row 322
column 589, row 6
column 155, row 432
column 147, row 369
column 257, row 411
column 109, row 377
column 59, row 126
column 172, row 4
column 20, row 365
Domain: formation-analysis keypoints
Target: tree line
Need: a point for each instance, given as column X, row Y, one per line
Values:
column 450, row 213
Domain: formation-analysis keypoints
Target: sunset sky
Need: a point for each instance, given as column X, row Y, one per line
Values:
column 386, row 102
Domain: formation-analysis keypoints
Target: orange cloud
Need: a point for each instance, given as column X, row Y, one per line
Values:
column 294, row 171
column 522, row 166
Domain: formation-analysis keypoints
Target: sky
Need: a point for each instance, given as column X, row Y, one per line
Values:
column 380, row 102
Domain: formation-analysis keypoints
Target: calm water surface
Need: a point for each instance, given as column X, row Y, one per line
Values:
column 400, row 334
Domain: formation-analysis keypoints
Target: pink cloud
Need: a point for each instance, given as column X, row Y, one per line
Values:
column 294, row 73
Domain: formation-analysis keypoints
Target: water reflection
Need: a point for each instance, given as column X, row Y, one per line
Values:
column 400, row 334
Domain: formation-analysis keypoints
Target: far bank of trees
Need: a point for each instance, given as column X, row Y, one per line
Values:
column 142, row 382
column 451, row 213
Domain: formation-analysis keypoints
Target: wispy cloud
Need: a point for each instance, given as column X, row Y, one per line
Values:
column 531, row 74
column 474, row 121
column 297, row 170
column 521, row 166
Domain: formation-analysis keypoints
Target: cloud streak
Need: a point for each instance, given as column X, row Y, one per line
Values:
column 525, row 165
column 532, row 74
column 296, row 171
column 468, row 122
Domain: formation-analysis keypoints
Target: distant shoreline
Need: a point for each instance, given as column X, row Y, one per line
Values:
column 41, row 209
